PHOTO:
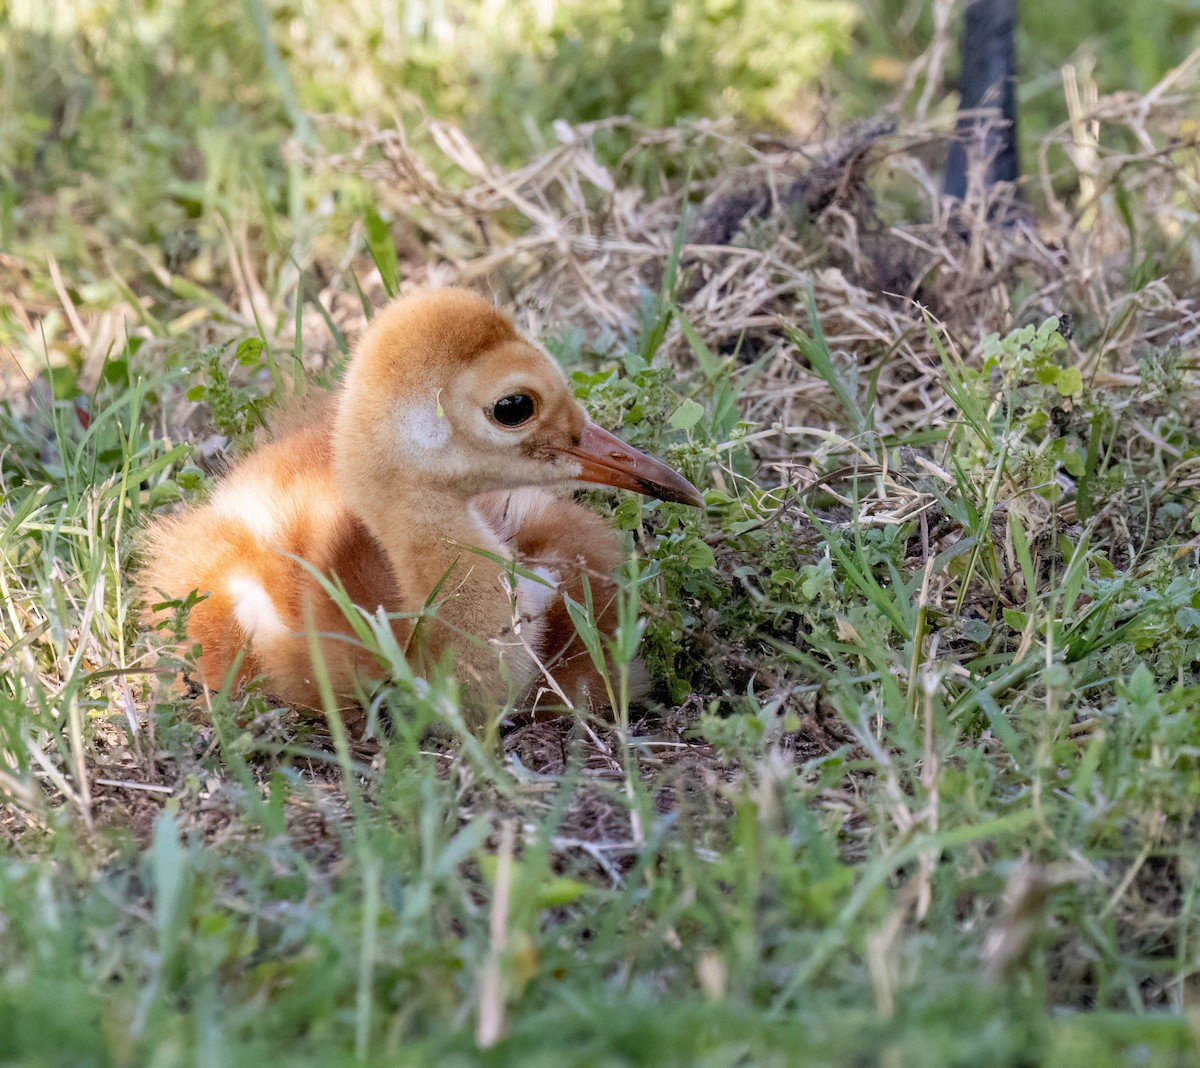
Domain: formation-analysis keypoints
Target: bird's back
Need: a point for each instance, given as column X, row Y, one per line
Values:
column 279, row 505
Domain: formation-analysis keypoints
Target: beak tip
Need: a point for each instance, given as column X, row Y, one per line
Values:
column 671, row 487
column 677, row 490
column 604, row 459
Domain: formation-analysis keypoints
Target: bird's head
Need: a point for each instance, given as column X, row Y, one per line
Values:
column 443, row 393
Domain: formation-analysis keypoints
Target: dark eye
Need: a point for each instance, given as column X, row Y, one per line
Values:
column 514, row 410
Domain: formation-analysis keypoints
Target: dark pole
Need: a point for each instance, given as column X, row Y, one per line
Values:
column 988, row 80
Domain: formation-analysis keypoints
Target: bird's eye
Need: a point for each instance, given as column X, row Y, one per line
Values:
column 513, row 410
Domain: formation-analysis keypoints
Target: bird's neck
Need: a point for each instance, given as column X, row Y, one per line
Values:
column 428, row 536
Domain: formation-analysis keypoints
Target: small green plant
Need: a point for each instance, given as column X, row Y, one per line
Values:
column 235, row 410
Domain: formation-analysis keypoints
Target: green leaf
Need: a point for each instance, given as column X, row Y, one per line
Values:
column 1070, row 382
column 709, row 362
column 1024, row 557
column 974, row 630
column 1048, row 374
column 249, row 351
column 816, row 351
column 1015, row 619
column 190, row 478
column 698, row 554
column 168, row 863
column 687, row 415
column 555, row 893
column 116, row 372
column 383, row 252
column 1073, row 462
column 164, row 493
column 64, row 382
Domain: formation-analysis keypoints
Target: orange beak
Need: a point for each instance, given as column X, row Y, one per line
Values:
column 608, row 461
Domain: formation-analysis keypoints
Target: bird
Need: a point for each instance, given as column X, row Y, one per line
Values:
column 432, row 483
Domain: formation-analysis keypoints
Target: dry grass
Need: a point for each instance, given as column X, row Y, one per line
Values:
column 568, row 241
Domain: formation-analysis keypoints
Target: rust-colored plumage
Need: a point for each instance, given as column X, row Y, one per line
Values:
column 451, row 432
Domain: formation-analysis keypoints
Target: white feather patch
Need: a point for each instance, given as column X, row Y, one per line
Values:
column 520, row 506
column 422, row 427
column 534, row 597
column 250, row 504
column 254, row 610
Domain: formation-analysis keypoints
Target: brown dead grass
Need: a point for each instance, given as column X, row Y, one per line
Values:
column 568, row 241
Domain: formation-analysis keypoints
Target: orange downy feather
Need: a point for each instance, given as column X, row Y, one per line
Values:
column 385, row 486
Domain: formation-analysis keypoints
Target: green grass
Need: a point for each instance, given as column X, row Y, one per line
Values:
column 919, row 782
